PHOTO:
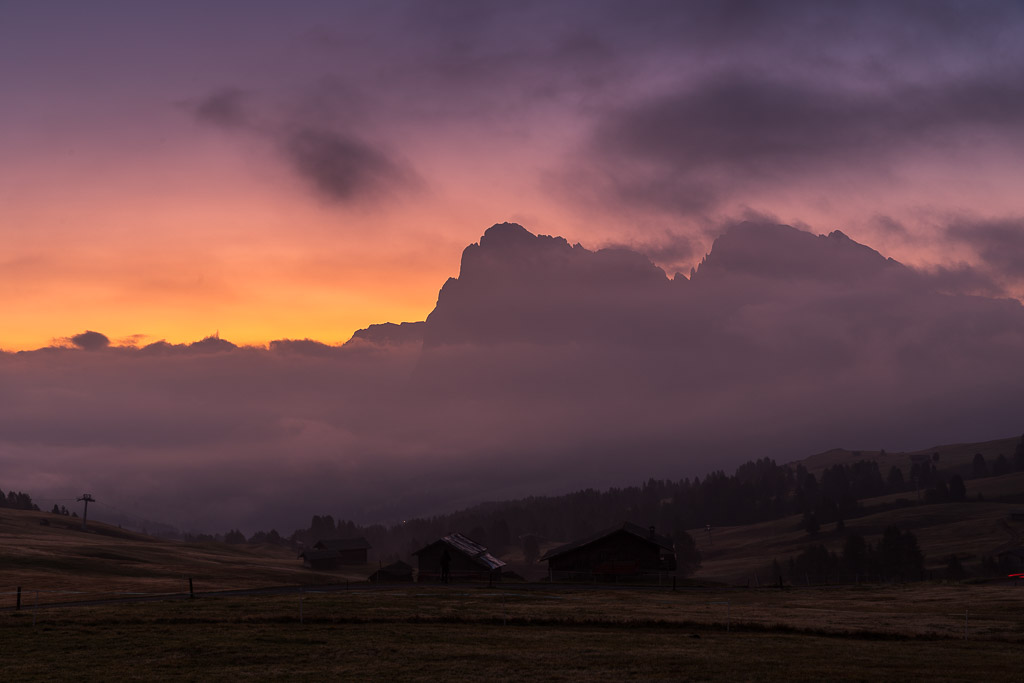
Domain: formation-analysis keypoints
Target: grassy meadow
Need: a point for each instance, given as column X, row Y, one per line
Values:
column 724, row 623
column 51, row 554
column 538, row 633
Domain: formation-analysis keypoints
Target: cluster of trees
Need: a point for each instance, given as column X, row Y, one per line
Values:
column 234, row 537
column 61, row 510
column 17, row 501
column 1001, row 465
column 896, row 557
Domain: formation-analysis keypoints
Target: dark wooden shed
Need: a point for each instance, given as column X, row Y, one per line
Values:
column 396, row 572
column 624, row 551
column 469, row 561
column 1011, row 558
column 334, row 553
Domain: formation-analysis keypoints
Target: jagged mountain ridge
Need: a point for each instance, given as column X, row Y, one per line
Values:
column 514, row 286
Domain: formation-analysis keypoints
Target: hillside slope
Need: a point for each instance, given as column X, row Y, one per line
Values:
column 41, row 551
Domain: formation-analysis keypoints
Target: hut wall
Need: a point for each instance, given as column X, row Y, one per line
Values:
column 349, row 557
column 462, row 568
column 619, row 554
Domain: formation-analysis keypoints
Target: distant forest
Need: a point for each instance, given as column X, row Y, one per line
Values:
column 758, row 491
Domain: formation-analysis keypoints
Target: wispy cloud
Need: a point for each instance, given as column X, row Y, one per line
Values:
column 337, row 165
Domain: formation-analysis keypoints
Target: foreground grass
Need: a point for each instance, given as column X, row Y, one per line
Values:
column 462, row 633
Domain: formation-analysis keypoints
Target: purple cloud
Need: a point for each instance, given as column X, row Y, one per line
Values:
column 90, row 341
column 999, row 243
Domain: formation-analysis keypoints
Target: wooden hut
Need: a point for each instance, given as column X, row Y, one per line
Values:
column 396, row 572
column 628, row 550
column 467, row 560
column 334, row 553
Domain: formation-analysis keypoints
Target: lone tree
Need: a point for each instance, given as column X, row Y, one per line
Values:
column 855, row 555
column 687, row 556
column 979, row 466
column 957, row 490
column 954, row 569
column 531, row 548
column 810, row 523
column 899, row 555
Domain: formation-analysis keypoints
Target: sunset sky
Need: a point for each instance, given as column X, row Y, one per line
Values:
column 273, row 170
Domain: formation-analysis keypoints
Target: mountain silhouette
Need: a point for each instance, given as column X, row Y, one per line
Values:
column 389, row 334
column 514, row 286
column 762, row 288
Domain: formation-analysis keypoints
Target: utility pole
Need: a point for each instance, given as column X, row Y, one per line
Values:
column 87, row 497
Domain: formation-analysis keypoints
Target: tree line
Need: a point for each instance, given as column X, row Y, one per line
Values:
column 759, row 490
column 896, row 557
column 17, row 501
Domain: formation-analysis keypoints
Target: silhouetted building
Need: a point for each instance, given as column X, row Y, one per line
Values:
column 395, row 572
column 627, row 550
column 1011, row 558
column 334, row 553
column 467, row 560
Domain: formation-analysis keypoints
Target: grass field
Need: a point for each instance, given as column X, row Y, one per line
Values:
column 65, row 563
column 473, row 633
column 520, row 631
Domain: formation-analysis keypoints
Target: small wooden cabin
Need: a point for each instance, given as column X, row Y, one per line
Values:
column 396, row 572
column 334, row 553
column 623, row 551
column 468, row 560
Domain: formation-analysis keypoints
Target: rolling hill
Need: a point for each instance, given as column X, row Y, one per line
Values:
column 41, row 551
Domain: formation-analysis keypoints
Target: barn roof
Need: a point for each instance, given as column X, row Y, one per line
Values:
column 337, row 544
column 663, row 542
column 469, row 548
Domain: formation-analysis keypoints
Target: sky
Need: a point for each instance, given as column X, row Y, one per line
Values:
column 304, row 170
column 269, row 172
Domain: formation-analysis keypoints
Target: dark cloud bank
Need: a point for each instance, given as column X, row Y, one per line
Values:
column 544, row 367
